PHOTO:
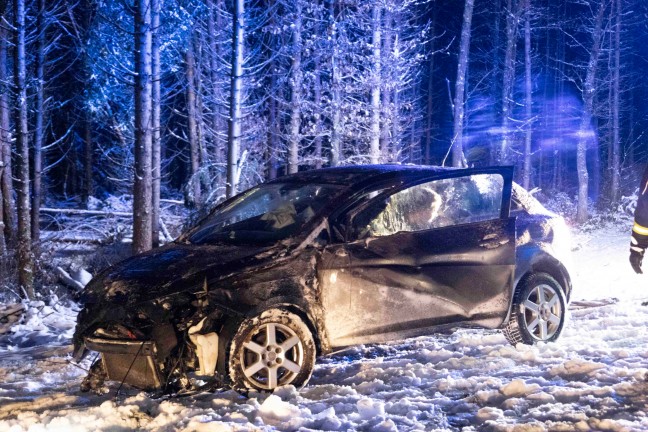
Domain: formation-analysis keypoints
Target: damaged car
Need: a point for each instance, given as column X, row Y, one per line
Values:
column 312, row 262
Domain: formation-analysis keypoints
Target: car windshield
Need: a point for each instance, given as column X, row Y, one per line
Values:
column 264, row 214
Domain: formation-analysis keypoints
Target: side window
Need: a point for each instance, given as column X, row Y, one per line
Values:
column 435, row 204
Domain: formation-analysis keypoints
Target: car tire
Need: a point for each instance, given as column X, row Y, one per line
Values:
column 539, row 311
column 273, row 349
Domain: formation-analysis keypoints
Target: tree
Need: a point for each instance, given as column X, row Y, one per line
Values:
column 6, row 183
column 39, row 132
column 235, row 99
column 25, row 258
column 192, row 125
column 296, row 83
column 528, row 97
column 508, row 76
column 615, row 156
column 458, row 158
column 588, row 91
column 142, row 185
column 375, row 82
column 156, row 141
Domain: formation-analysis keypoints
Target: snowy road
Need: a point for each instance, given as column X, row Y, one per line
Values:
column 593, row 378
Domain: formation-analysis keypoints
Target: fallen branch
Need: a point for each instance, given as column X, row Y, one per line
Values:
column 69, row 280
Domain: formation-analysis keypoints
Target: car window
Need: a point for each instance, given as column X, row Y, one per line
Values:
column 435, row 204
column 267, row 213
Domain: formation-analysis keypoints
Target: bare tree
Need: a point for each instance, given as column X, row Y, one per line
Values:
column 588, row 91
column 294, row 138
column 615, row 156
column 376, row 40
column 458, row 158
column 528, row 97
column 6, row 182
column 235, row 99
column 336, row 90
column 508, row 77
column 142, row 186
column 39, row 132
column 25, row 258
column 156, row 150
column 214, row 22
column 192, row 125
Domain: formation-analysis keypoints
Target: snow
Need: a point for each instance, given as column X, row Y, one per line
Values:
column 592, row 378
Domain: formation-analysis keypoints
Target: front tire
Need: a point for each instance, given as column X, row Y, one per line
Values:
column 539, row 311
column 273, row 349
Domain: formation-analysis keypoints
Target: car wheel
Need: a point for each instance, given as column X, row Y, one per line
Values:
column 273, row 349
column 538, row 312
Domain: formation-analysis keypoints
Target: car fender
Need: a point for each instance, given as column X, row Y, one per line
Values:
column 540, row 257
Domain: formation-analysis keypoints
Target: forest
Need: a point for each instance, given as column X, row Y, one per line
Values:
column 187, row 102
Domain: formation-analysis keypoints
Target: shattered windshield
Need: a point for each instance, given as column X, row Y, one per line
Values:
column 267, row 213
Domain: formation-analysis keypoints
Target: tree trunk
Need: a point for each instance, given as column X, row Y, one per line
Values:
column 508, row 77
column 430, row 97
column 317, row 100
column 273, row 130
column 374, row 148
column 458, row 158
column 194, row 145
column 616, row 145
column 236, row 96
column 25, row 259
column 88, row 189
column 214, row 22
column 528, row 99
column 294, row 137
column 142, row 187
column 156, row 145
column 585, row 127
column 6, row 179
column 336, row 91
column 387, row 113
column 39, row 131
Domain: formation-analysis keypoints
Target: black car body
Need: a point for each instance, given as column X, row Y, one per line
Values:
column 323, row 259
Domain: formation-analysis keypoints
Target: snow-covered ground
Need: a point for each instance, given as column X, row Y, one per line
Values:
column 593, row 378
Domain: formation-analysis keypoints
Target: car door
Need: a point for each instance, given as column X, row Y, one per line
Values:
column 436, row 252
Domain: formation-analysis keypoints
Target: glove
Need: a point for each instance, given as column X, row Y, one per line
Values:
column 636, row 258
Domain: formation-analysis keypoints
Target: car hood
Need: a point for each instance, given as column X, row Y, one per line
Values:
column 172, row 269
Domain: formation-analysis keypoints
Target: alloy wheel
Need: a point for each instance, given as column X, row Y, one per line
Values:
column 272, row 356
column 542, row 311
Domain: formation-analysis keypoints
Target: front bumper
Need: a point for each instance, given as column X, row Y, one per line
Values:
column 128, row 361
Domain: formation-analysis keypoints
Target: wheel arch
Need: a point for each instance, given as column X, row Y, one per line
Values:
column 295, row 306
column 542, row 263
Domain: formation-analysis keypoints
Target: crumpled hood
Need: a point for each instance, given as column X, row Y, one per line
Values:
column 171, row 269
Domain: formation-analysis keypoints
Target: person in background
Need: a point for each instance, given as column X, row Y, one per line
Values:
column 639, row 239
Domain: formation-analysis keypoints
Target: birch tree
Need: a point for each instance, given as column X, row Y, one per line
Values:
column 296, row 82
column 235, row 99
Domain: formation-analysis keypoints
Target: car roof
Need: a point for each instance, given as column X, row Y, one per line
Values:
column 354, row 174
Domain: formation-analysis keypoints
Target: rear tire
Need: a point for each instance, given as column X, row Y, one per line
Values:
column 538, row 312
column 273, row 349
